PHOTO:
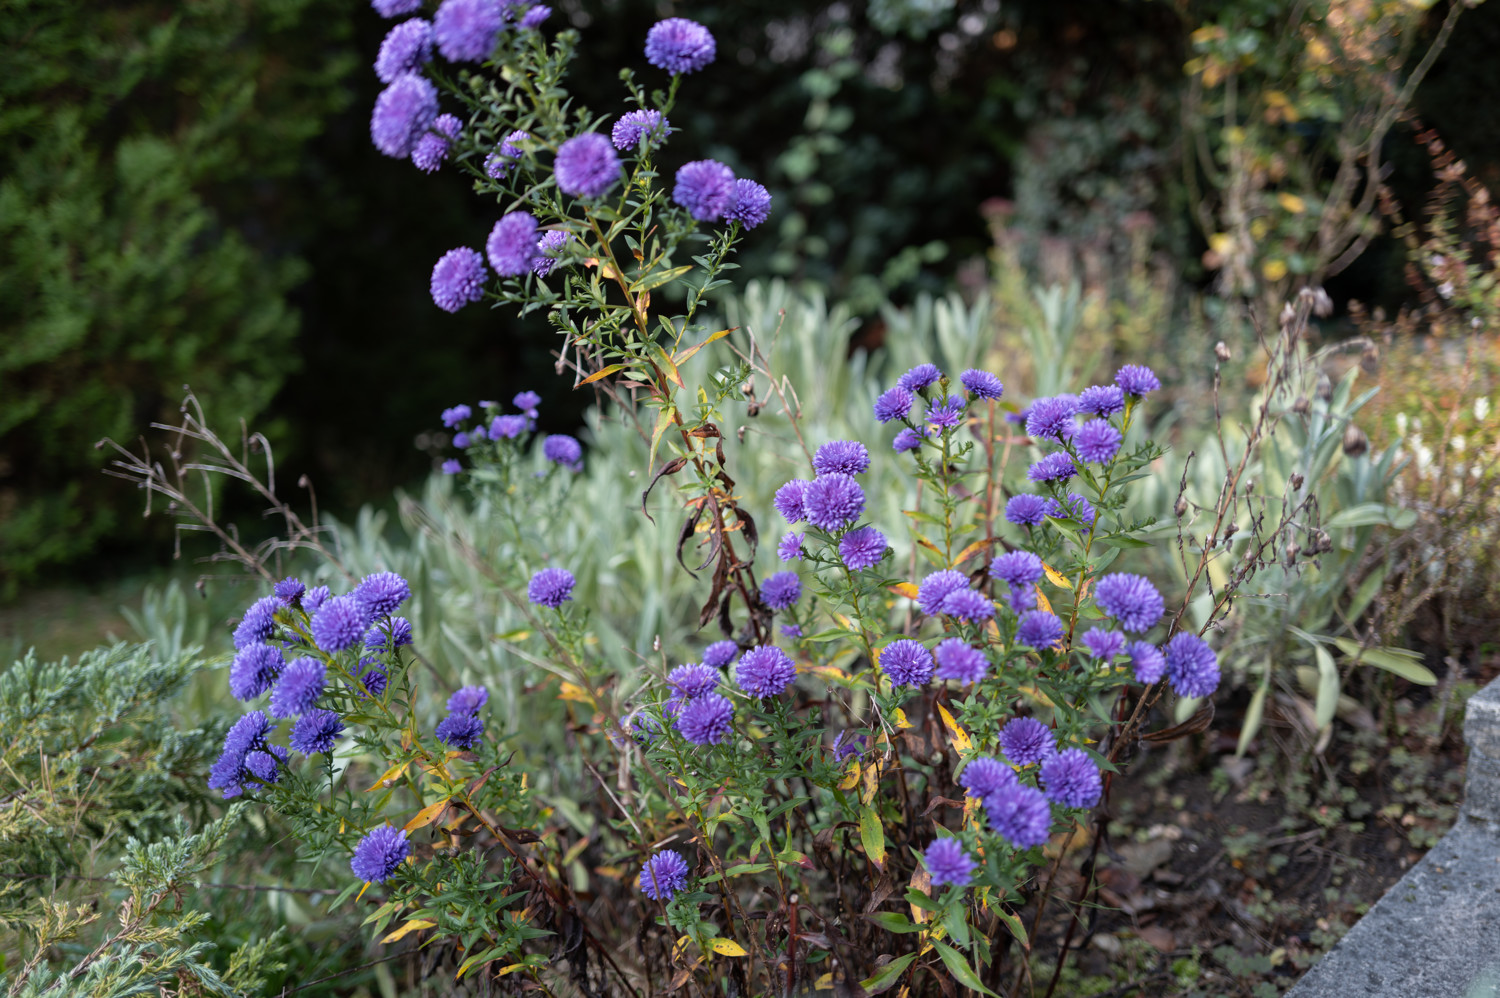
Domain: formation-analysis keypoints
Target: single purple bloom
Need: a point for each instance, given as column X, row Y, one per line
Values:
column 981, row 384
column 1040, row 630
column 1025, row 740
column 936, row 587
column 1104, row 644
column 1055, row 467
column 960, row 661
column 919, row 377
column 1097, row 441
column 533, row 18
column 967, row 604
column 586, row 166
column 907, row 439
column 947, row 414
column 511, row 247
column 388, row 635
column 663, row 875
column 315, row 732
column 429, row 151
column 460, row 731
column 781, row 590
column 634, row 127
column 790, row 547
column 258, row 623
column 507, row 427
column 846, row 745
column 720, row 653
column 299, row 687
column 254, row 669
column 1147, row 661
column 559, row 448
column 791, row 631
column 832, row 501
column 406, row 47
column 1019, row 814
column 340, row 623
column 551, row 587
column 705, row 187
column 706, row 720
column 548, row 247
column 947, row 863
column 752, row 204
column 380, row 853
column 1136, row 379
column 455, row 415
column 289, row 591
column 468, row 700
column 382, row 593
column 1130, row 599
column 1071, row 778
column 906, row 663
column 1192, row 666
column 1019, row 568
column 679, row 45
column 527, row 402
column 1102, row 400
column 689, row 681
column 983, row 775
column 765, row 671
column 1022, row 598
column 848, row 456
column 498, row 163
column 894, row 403
column 862, row 548
column 466, row 30
column 315, row 598
column 403, row 113
column 1052, row 418
column 458, row 279
column 1026, row 510
column 452, row 466
column 788, row 500
column 372, row 677
column 460, row 440
column 395, row 8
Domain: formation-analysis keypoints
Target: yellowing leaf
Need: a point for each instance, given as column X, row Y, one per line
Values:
column 427, row 815
column 898, row 718
column 1055, row 577
column 603, row 372
column 568, row 691
column 727, row 947
column 411, row 926
column 849, row 781
column 872, row 836
column 388, row 778
column 824, row 983
column 922, row 881
column 970, row 551
column 956, row 734
column 1042, row 603
column 907, row 589
column 1273, row 270
column 1291, row 203
column 684, row 355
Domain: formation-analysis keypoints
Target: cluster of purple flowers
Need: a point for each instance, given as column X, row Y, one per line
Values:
column 493, row 425
column 463, row 726
column 1018, row 811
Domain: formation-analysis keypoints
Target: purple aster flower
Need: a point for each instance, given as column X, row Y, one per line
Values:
column 1192, row 666
column 382, row 593
column 299, row 687
column 919, row 377
column 458, row 279
column 790, row 547
column 906, row 663
column 846, row 745
column 289, row 591
column 258, row 623
column 254, row 669
column 388, row 635
column 1074, row 507
column 460, row 440
column 466, row 30
column 1039, row 629
column 559, row 448
column 498, row 163
column 468, row 700
column 706, row 720
column 1022, row 598
column 395, row 8
column 633, row 127
column 765, row 671
column 315, row 732
column 948, row 413
column 791, row 631
column 781, row 590
column 1056, row 467
column 1026, row 510
column 547, row 249
column 1052, row 418
column 527, row 402
column 403, row 113
column 1102, row 400
column 788, row 500
column 460, row 731
column 947, row 863
column 455, row 415
column 688, row 681
column 679, row 45
column 1097, row 441
column 862, row 548
column 373, row 677
column 1104, row 644
column 1019, row 568
column 847, row 456
column 981, row 384
column 894, row 403
column 664, row 875
column 551, row 587
column 586, row 166
column 380, row 853
column 752, row 204
column 1071, row 778
column 512, row 244
column 452, row 466
column 1147, row 661
column 230, row 772
column 1136, row 379
column 967, row 604
column 340, row 623
column 984, row 775
column 1019, row 814
column 936, row 587
column 1130, row 599
column 960, row 661
column 832, row 501
column 907, row 439
column 315, row 598
column 263, row 766
column 533, row 18
column 1025, row 740
column 429, row 151
column 507, row 427
column 406, row 47
column 720, row 653
column 705, row 187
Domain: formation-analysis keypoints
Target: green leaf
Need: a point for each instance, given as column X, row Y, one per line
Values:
column 656, row 279
column 872, row 835
column 1366, row 514
column 735, row 871
column 1328, row 687
column 960, row 969
column 1403, row 663
column 1013, row 922
column 1123, row 541
column 1254, row 714
column 894, row 921
column 885, row 978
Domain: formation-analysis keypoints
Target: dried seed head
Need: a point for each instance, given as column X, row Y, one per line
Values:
column 1322, row 304
column 1288, row 315
column 753, row 408
column 1292, row 550
column 1230, row 529
column 1301, row 406
column 1181, row 507
column 1322, row 541
column 1355, row 441
column 1325, row 387
column 1222, row 352
column 1369, row 361
column 1296, row 480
